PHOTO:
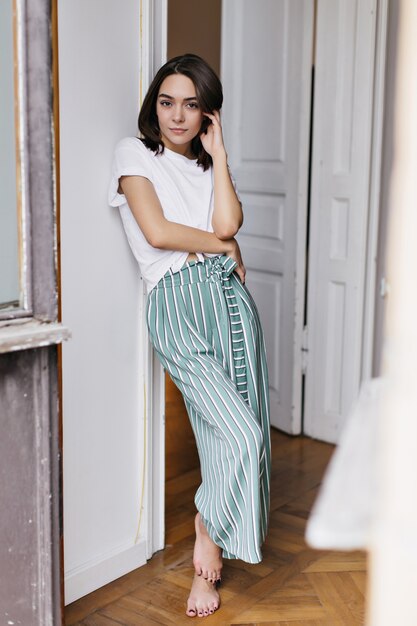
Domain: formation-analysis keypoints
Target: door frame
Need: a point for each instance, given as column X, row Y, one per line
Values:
column 301, row 275
column 374, row 189
column 153, row 51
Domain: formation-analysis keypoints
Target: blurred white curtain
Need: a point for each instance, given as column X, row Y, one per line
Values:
column 341, row 518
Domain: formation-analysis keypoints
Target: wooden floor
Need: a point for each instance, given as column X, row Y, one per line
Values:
column 293, row 586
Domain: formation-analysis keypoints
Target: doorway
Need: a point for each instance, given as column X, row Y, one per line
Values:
column 319, row 335
column 278, row 128
column 191, row 28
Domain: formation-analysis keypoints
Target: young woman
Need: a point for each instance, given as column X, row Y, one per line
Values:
column 181, row 212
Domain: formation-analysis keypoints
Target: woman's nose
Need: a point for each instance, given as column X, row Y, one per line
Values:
column 178, row 114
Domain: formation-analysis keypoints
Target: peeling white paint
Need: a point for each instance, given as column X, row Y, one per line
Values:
column 31, row 333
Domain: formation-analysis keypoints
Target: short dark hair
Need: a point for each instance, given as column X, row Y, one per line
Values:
column 209, row 97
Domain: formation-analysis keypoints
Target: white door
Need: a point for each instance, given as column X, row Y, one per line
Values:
column 341, row 158
column 266, row 74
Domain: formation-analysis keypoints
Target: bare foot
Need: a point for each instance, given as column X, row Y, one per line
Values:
column 207, row 555
column 203, row 599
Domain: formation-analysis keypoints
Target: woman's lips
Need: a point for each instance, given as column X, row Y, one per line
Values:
column 178, row 131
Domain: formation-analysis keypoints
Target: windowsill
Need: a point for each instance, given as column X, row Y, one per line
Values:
column 23, row 335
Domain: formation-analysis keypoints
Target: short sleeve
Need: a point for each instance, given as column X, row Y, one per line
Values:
column 130, row 159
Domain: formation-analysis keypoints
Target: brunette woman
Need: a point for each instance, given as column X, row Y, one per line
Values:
column 181, row 212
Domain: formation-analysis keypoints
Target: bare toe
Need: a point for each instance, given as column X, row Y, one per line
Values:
column 203, row 600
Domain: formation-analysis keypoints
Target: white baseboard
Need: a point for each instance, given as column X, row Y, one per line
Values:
column 99, row 572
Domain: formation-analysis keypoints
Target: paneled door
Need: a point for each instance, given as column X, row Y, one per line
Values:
column 266, row 73
column 339, row 214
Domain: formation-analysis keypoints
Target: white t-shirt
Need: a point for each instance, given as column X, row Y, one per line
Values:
column 185, row 192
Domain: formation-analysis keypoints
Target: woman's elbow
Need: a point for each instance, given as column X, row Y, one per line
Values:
column 225, row 234
column 227, row 230
column 155, row 238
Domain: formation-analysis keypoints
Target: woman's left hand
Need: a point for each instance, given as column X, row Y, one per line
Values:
column 212, row 139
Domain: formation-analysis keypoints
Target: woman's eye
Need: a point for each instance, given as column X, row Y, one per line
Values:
column 193, row 105
column 165, row 103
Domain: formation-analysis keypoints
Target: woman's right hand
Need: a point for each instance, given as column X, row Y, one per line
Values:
column 233, row 251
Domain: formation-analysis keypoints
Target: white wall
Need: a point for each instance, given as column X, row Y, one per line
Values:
column 99, row 56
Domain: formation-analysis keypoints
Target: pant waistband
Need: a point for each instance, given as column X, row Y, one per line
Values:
column 211, row 269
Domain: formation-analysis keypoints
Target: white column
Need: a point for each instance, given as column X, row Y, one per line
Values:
column 393, row 559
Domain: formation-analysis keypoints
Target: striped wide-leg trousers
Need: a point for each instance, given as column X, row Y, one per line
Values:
column 205, row 328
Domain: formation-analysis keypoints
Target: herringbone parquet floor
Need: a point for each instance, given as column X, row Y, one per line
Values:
column 293, row 586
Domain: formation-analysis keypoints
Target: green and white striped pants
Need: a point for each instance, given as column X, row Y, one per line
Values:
column 205, row 328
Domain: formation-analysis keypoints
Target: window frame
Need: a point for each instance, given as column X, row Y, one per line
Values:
column 35, row 322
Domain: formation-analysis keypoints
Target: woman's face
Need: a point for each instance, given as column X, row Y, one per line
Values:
column 179, row 114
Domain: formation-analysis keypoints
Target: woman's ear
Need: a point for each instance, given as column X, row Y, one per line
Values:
column 205, row 124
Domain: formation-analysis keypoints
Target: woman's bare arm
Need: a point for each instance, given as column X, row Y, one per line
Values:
column 227, row 213
column 161, row 233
